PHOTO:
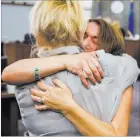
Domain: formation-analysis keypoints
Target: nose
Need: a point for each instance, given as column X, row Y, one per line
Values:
column 88, row 38
column 89, row 41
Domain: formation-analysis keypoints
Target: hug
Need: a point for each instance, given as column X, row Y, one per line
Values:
column 78, row 81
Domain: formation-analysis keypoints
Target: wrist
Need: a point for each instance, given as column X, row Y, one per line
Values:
column 70, row 108
column 64, row 60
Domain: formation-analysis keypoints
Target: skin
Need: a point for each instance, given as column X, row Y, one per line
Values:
column 84, row 63
column 23, row 70
column 85, row 122
column 91, row 39
column 60, row 98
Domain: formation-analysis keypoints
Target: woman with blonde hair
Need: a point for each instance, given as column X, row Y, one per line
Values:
column 58, row 27
column 57, row 23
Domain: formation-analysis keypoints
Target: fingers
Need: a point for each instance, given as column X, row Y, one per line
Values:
column 41, row 107
column 59, row 84
column 98, row 66
column 93, row 54
column 37, row 93
column 37, row 99
column 95, row 67
column 43, row 86
column 88, row 72
column 96, row 63
column 83, row 79
column 92, row 69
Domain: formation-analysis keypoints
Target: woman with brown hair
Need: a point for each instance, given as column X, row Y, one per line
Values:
column 57, row 26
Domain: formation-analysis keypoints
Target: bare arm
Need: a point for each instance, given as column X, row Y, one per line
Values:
column 60, row 98
column 22, row 71
column 87, row 124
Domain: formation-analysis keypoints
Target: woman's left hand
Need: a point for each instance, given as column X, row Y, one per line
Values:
column 58, row 98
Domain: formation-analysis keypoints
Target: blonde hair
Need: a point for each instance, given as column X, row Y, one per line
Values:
column 59, row 22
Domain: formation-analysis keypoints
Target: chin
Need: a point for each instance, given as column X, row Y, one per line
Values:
column 90, row 49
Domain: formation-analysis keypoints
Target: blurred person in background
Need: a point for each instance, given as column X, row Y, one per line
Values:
column 73, row 109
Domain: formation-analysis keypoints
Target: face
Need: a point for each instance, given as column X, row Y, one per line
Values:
column 91, row 37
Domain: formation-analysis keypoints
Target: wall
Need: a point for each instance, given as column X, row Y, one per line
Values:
column 14, row 22
column 123, row 17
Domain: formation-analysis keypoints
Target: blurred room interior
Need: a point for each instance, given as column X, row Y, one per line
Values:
column 16, row 43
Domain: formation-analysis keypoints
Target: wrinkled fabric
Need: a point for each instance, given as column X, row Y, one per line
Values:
column 101, row 100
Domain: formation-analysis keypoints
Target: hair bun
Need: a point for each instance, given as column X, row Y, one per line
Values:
column 63, row 2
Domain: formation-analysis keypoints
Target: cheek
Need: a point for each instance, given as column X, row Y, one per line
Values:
column 87, row 42
column 90, row 48
column 84, row 43
column 88, row 45
column 94, row 48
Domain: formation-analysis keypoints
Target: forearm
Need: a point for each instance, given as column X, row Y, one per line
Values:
column 23, row 71
column 87, row 124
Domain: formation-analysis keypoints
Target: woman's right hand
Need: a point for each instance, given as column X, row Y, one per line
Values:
column 85, row 65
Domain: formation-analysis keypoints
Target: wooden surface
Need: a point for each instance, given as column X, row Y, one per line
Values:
column 3, row 62
column 5, row 94
column 15, row 52
column 9, row 92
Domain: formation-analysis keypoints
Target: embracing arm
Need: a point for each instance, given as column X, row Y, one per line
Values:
column 88, row 125
column 22, row 71
column 60, row 98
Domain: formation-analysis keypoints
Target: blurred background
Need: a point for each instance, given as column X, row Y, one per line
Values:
column 16, row 43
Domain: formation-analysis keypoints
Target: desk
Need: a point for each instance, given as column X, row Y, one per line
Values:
column 9, row 113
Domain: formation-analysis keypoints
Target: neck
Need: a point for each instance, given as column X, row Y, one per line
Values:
column 43, row 44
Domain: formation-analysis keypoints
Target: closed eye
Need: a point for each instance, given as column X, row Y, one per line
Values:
column 95, row 37
column 85, row 35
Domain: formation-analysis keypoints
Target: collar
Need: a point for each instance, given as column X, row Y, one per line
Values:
column 59, row 51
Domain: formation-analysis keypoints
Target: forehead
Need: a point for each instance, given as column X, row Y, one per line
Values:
column 92, row 29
